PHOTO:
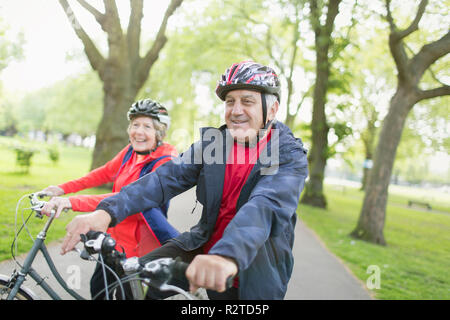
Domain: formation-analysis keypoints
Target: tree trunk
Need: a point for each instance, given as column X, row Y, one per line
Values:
column 290, row 120
column 366, row 172
column 111, row 135
column 372, row 217
column 318, row 155
column 123, row 72
column 317, row 158
column 368, row 139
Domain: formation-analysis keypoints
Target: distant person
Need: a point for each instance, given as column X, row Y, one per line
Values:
column 249, row 175
column 143, row 232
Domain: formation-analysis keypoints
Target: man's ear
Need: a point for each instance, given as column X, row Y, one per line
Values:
column 273, row 111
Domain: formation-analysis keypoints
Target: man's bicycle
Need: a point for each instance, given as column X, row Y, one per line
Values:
column 156, row 273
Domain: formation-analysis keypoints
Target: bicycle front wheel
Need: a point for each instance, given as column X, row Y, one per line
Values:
column 21, row 294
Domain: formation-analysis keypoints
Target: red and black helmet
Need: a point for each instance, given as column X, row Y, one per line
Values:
column 249, row 75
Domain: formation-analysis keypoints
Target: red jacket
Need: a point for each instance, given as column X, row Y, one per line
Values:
column 134, row 233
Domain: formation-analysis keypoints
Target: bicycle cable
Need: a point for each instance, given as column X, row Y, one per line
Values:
column 104, row 276
column 17, row 233
column 104, row 265
column 119, row 283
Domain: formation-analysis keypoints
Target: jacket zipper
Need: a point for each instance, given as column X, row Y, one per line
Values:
column 272, row 245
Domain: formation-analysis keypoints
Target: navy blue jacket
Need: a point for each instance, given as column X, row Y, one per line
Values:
column 261, row 235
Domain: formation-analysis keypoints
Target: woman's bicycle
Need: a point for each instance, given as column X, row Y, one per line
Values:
column 157, row 273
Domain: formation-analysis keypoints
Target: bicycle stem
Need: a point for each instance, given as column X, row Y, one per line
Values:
column 43, row 234
column 131, row 266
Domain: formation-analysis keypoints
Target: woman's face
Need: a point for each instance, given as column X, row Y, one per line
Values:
column 142, row 134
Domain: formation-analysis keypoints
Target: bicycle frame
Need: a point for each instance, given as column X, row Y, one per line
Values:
column 158, row 270
column 19, row 277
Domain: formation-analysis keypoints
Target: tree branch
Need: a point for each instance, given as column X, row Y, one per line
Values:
column 333, row 10
column 305, row 95
column 295, row 38
column 397, row 48
column 112, row 14
column 315, row 17
column 389, row 18
column 415, row 23
column 95, row 58
column 433, row 93
column 97, row 14
column 269, row 47
column 161, row 39
column 428, row 54
column 134, row 31
column 113, row 28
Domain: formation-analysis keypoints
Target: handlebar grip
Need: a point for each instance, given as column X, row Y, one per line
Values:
column 179, row 269
column 98, row 242
column 229, row 282
column 92, row 234
column 179, row 272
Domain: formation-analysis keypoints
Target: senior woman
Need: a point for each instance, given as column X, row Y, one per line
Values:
column 143, row 232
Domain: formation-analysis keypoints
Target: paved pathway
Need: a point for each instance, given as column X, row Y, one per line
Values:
column 317, row 273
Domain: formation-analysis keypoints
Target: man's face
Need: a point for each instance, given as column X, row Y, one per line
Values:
column 243, row 114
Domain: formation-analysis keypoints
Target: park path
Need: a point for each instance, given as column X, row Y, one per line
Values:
column 317, row 274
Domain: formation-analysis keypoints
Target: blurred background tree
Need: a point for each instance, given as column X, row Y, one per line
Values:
column 410, row 91
column 123, row 70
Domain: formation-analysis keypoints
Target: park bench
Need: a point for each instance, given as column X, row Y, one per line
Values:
column 419, row 203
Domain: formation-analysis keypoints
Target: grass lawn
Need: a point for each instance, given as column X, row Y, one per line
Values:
column 73, row 163
column 415, row 263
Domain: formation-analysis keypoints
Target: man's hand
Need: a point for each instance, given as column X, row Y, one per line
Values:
column 58, row 204
column 210, row 272
column 96, row 221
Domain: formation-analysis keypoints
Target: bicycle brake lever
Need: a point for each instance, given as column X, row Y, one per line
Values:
column 83, row 254
column 168, row 287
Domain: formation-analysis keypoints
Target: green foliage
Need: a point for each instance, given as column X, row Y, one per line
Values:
column 23, row 157
column 8, row 119
column 53, row 153
column 10, row 50
column 73, row 105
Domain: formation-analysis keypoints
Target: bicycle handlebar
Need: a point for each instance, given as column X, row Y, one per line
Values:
column 159, row 272
column 37, row 205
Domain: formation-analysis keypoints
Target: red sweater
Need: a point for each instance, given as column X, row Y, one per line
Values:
column 240, row 163
column 132, row 230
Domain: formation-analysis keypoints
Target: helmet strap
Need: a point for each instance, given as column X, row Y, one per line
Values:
column 143, row 153
column 264, row 108
column 147, row 152
column 266, row 124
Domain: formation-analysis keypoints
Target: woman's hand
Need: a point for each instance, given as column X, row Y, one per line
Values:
column 52, row 191
column 58, row 204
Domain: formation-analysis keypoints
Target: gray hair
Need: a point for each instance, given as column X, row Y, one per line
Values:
column 161, row 130
column 270, row 99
